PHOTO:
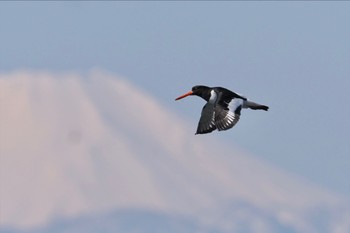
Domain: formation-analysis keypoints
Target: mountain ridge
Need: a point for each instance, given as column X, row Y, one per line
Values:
column 85, row 150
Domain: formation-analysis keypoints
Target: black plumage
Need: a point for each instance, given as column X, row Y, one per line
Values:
column 223, row 108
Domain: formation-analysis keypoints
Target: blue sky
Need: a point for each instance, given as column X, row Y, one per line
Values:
column 292, row 56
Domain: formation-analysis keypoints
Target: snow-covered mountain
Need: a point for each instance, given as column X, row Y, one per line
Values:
column 76, row 156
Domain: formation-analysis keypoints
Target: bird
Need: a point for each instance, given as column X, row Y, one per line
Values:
column 223, row 108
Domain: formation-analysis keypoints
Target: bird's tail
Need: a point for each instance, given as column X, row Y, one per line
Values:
column 254, row 106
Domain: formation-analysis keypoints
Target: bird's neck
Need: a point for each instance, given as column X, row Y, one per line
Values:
column 206, row 94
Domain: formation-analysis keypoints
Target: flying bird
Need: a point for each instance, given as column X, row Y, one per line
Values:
column 223, row 108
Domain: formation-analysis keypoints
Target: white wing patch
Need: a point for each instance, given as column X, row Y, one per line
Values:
column 234, row 104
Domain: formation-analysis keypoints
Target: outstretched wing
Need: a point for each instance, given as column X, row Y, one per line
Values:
column 227, row 113
column 206, row 123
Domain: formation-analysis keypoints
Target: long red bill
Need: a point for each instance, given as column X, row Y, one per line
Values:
column 184, row 95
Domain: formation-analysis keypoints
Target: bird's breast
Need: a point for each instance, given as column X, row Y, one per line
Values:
column 213, row 97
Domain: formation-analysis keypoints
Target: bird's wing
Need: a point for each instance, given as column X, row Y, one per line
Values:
column 227, row 113
column 206, row 123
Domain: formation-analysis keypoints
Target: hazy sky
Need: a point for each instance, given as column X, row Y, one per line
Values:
column 292, row 56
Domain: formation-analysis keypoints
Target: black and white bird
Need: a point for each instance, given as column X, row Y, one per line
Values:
column 223, row 107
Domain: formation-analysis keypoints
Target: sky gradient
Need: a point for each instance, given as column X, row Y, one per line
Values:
column 292, row 56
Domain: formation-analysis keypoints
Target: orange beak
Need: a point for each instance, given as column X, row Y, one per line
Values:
column 184, row 95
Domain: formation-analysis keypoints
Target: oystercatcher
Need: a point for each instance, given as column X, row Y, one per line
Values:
column 223, row 107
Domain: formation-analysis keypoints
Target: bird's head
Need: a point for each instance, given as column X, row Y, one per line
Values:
column 199, row 90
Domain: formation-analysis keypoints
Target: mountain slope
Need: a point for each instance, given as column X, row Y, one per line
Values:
column 72, row 145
